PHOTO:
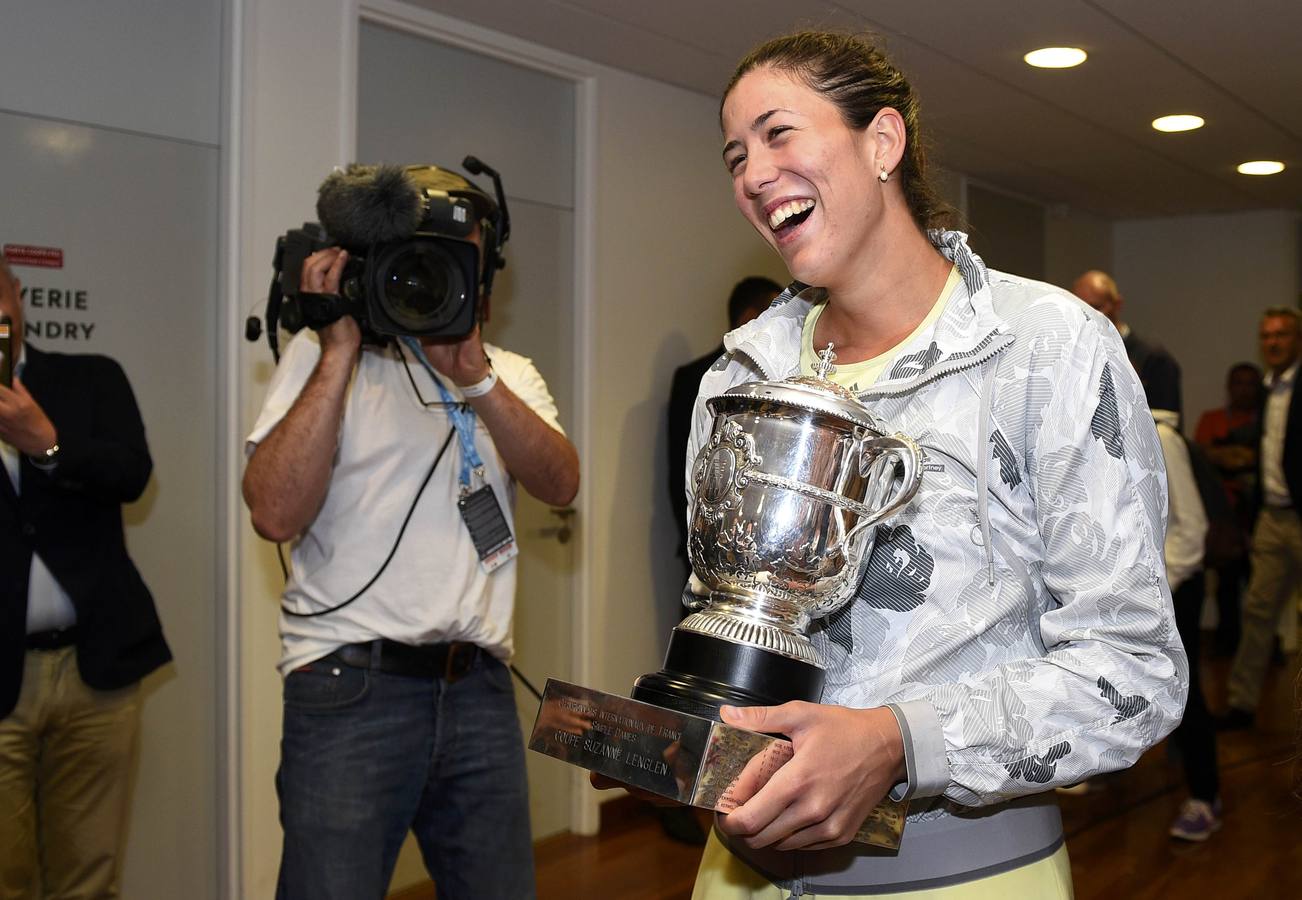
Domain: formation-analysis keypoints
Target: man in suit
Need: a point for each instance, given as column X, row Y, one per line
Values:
column 1158, row 370
column 78, row 629
column 1277, row 537
column 750, row 297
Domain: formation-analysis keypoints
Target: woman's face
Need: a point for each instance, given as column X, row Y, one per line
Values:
column 804, row 179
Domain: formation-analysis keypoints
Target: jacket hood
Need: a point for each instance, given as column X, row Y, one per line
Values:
column 967, row 332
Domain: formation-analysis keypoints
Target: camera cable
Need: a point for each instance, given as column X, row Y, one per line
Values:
column 388, row 559
column 410, row 511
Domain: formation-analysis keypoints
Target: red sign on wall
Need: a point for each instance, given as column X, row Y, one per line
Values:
column 27, row 255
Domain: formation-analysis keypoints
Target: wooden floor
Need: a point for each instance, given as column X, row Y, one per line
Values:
column 1116, row 835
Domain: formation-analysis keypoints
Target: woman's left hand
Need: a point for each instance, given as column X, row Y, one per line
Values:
column 844, row 763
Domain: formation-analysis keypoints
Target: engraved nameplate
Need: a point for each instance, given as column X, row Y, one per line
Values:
column 696, row 761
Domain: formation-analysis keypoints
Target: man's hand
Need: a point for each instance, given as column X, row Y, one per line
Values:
column 23, row 424
column 321, row 274
column 606, row 783
column 462, row 360
column 845, row 761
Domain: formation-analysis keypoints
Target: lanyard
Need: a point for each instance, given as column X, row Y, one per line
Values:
column 462, row 416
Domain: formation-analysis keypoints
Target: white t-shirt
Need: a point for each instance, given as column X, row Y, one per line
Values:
column 434, row 588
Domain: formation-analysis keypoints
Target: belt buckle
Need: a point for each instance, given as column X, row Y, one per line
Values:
column 452, row 671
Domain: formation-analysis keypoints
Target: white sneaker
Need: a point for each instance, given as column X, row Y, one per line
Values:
column 1197, row 821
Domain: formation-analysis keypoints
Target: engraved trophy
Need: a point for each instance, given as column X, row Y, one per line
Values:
column 788, row 489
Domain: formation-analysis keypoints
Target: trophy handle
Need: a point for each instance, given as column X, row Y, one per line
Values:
column 893, row 466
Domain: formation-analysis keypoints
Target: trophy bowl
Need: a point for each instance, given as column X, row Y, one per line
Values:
column 789, row 489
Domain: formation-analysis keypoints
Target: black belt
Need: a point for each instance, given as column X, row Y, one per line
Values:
column 55, row 639
column 450, row 661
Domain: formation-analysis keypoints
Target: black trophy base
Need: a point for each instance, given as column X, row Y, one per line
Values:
column 702, row 673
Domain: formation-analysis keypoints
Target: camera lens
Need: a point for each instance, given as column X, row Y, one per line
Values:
column 421, row 287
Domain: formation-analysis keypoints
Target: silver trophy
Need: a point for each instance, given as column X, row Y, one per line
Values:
column 789, row 490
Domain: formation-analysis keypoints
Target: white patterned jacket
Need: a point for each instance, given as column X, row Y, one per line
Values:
column 1015, row 615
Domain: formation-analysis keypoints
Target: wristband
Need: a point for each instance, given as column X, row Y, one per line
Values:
column 479, row 388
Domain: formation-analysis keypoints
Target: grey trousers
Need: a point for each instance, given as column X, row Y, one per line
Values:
column 1276, row 572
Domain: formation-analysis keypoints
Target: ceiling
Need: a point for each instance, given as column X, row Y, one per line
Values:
column 1079, row 137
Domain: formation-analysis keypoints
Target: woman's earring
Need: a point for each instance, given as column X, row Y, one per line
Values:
column 883, row 176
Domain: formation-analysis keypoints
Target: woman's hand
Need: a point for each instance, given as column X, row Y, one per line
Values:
column 845, row 761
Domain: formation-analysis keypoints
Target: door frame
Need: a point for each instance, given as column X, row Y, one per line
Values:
column 583, row 815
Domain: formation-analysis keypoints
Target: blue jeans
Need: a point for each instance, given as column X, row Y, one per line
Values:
column 367, row 756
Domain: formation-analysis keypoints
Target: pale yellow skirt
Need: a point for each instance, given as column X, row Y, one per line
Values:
column 723, row 876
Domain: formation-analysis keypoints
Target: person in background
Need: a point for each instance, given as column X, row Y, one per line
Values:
column 749, row 297
column 78, row 628
column 1158, row 371
column 1230, row 436
column 1276, row 557
column 1186, row 531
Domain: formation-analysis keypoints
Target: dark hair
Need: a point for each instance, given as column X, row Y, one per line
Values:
column 1242, row 367
column 754, row 292
column 851, row 72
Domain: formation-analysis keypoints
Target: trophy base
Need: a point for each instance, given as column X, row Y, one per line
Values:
column 689, row 759
column 702, row 673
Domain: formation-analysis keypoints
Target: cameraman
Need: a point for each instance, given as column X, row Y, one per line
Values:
column 399, row 711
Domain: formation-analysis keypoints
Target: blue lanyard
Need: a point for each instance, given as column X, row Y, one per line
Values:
column 462, row 416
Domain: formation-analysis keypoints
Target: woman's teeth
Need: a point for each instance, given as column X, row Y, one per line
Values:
column 787, row 210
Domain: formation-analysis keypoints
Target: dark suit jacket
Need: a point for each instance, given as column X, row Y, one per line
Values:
column 1292, row 446
column 72, row 517
column 1158, row 372
column 682, row 398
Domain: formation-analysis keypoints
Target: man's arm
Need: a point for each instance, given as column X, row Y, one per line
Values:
column 109, row 459
column 288, row 475
column 538, row 456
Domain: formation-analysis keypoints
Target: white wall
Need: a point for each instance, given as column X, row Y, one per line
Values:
column 1074, row 242
column 1198, row 284
column 150, row 66
column 109, row 137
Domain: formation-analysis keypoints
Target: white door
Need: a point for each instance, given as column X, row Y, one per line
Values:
column 420, row 101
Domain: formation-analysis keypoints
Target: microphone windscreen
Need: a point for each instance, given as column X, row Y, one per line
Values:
column 365, row 205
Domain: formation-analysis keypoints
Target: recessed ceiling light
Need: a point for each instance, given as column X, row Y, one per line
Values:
column 1178, row 123
column 1055, row 57
column 1261, row 167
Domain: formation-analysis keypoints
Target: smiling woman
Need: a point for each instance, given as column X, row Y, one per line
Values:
column 1012, row 629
